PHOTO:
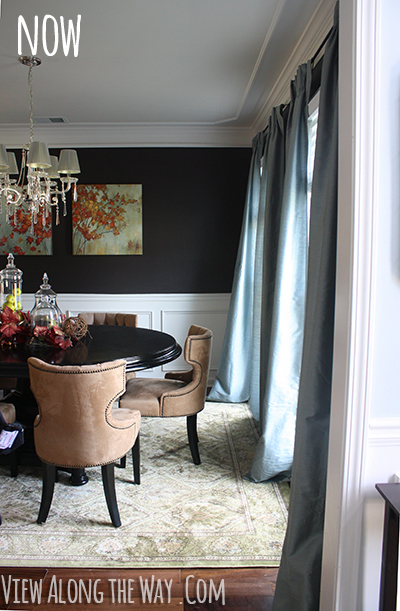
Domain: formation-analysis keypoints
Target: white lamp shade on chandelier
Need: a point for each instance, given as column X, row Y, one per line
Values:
column 4, row 165
column 12, row 162
column 35, row 189
column 68, row 163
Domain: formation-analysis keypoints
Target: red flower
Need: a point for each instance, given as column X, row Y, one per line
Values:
column 39, row 331
column 62, row 342
column 56, row 335
column 13, row 326
column 10, row 321
column 9, row 316
column 8, row 329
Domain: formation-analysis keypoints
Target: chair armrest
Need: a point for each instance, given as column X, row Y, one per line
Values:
column 123, row 417
column 183, row 376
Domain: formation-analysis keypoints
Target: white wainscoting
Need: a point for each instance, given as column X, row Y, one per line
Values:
column 171, row 313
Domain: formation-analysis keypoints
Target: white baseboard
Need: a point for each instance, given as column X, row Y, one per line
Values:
column 171, row 313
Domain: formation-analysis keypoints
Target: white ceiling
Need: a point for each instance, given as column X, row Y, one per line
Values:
column 149, row 64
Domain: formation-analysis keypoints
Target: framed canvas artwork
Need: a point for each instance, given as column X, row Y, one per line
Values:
column 107, row 220
column 19, row 238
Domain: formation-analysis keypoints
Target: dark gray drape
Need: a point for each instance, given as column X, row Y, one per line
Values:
column 298, row 584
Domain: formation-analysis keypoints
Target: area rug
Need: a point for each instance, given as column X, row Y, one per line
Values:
column 181, row 515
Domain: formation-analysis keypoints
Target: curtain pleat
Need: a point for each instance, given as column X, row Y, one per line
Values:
column 283, row 286
column 232, row 382
column 298, row 584
column 260, row 357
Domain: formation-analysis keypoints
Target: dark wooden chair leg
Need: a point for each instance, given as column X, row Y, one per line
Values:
column 136, row 460
column 122, row 463
column 107, row 472
column 49, row 478
column 13, row 464
column 191, row 424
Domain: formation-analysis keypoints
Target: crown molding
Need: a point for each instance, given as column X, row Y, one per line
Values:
column 318, row 27
column 218, row 134
column 96, row 135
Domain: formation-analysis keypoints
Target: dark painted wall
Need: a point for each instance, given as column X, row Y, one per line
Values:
column 193, row 202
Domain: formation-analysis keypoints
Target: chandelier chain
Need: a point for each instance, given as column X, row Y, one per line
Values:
column 30, row 83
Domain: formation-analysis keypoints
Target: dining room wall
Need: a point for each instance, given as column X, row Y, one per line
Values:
column 193, row 200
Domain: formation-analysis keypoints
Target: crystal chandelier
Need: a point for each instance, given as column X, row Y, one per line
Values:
column 36, row 190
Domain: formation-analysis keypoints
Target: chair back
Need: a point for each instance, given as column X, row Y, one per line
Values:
column 110, row 318
column 75, row 426
column 190, row 398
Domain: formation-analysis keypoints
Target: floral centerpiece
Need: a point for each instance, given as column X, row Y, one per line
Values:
column 45, row 322
column 15, row 328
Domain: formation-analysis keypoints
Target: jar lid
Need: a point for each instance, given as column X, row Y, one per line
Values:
column 45, row 289
column 11, row 270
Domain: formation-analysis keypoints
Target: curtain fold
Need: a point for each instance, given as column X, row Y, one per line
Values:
column 232, row 382
column 298, row 584
column 283, row 286
column 261, row 354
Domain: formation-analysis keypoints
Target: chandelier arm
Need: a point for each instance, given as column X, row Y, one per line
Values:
column 8, row 192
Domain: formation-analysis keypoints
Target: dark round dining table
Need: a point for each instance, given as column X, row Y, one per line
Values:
column 141, row 349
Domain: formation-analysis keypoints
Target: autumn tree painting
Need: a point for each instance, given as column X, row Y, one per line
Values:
column 107, row 220
column 17, row 235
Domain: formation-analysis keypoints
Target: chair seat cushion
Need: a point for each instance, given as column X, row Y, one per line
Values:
column 144, row 394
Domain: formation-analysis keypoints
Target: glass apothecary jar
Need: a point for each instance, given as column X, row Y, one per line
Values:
column 11, row 286
column 45, row 312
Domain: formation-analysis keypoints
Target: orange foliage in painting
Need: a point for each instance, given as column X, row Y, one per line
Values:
column 29, row 243
column 95, row 215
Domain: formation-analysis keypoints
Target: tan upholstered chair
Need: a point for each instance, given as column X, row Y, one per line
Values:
column 178, row 394
column 111, row 318
column 79, row 425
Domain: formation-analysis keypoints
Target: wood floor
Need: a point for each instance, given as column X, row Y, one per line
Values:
column 103, row 589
